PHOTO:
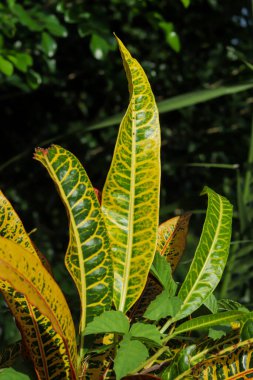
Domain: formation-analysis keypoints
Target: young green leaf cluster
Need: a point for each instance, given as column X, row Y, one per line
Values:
column 135, row 319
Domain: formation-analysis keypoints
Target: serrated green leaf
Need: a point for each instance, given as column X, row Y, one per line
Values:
column 163, row 306
column 6, row 67
column 207, row 321
column 161, row 270
column 145, row 332
column 211, row 303
column 217, row 332
column 130, row 199
column 108, row 322
column 130, row 355
column 88, row 254
column 210, row 257
column 227, row 304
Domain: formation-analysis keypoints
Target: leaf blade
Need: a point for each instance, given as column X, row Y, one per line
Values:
column 133, row 176
column 210, row 256
column 32, row 296
column 87, row 258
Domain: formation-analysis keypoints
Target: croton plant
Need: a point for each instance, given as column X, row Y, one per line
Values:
column 136, row 322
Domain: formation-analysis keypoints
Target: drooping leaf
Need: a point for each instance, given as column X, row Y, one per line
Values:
column 210, row 257
column 207, row 321
column 145, row 333
column 11, row 227
column 41, row 311
column 108, row 322
column 227, row 304
column 163, row 306
column 130, row 198
column 130, row 355
column 172, row 238
column 88, row 255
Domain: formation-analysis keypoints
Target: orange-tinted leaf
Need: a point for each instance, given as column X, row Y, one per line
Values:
column 172, row 238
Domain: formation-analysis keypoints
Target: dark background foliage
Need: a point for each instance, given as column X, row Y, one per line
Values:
column 61, row 73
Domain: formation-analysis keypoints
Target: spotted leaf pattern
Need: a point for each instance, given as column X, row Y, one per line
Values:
column 41, row 312
column 235, row 365
column 47, row 353
column 130, row 198
column 210, row 257
column 88, row 254
column 172, row 238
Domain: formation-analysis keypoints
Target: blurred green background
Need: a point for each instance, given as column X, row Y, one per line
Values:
column 62, row 81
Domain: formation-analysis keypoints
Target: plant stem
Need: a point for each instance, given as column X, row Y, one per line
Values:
column 149, row 362
column 166, row 325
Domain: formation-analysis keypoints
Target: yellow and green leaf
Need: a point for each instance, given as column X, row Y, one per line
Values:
column 88, row 255
column 237, row 364
column 172, row 238
column 210, row 257
column 130, row 198
column 41, row 312
column 28, row 318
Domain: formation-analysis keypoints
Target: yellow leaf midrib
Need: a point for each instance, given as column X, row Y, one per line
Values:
column 210, row 251
column 129, row 247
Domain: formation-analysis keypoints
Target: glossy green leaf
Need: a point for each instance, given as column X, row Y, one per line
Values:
column 21, row 61
column 12, row 374
column 210, row 257
column 186, row 3
column 131, row 354
column 48, row 44
column 163, row 306
column 33, row 79
column 53, row 25
column 161, row 270
column 227, row 305
column 171, row 36
column 206, row 321
column 211, row 303
column 145, row 332
column 108, row 322
column 88, row 254
column 99, row 46
column 130, row 199
column 247, row 329
column 6, row 67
